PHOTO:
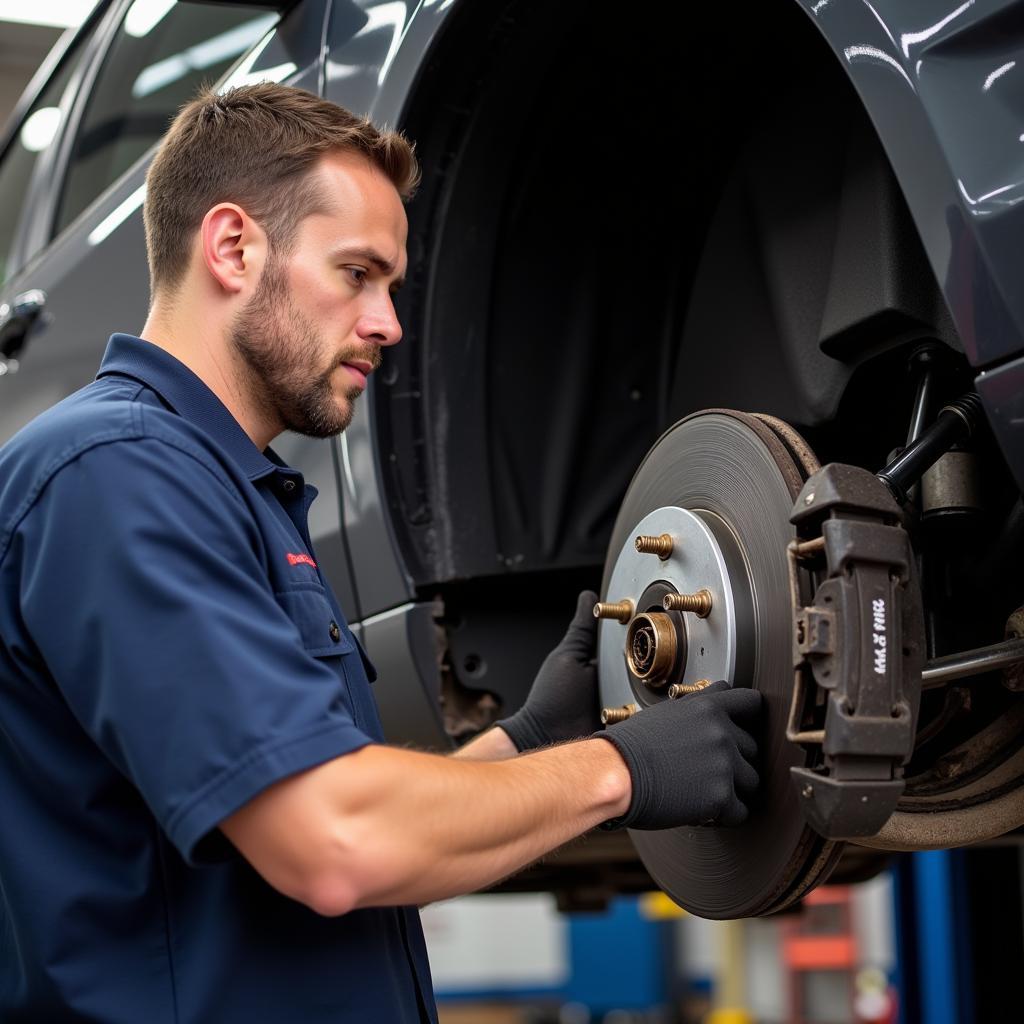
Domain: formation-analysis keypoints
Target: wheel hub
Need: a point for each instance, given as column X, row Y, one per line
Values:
column 710, row 505
column 659, row 648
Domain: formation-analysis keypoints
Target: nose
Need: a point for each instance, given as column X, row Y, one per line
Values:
column 379, row 323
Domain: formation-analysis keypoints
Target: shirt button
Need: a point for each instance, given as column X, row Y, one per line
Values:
column 289, row 486
column 335, row 632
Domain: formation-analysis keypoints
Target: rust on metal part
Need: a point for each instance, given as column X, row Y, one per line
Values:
column 651, row 646
column 700, row 603
column 621, row 611
column 806, row 548
column 681, row 689
column 660, row 546
column 609, row 716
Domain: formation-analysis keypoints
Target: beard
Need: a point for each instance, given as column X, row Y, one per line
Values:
column 281, row 354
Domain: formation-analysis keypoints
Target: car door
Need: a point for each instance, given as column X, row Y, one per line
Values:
column 27, row 154
column 79, row 271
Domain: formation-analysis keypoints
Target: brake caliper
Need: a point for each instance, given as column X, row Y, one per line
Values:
column 858, row 650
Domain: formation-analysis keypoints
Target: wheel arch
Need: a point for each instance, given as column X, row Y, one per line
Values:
column 940, row 97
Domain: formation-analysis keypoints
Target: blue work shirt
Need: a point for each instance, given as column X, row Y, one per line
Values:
column 168, row 650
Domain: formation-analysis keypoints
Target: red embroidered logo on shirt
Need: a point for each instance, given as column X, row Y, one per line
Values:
column 300, row 559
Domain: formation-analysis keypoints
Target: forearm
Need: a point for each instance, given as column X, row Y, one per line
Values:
column 384, row 826
column 439, row 828
column 492, row 745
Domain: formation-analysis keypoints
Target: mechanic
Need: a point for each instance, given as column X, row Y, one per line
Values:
column 201, row 819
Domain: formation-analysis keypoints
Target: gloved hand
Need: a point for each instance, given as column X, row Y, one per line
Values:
column 690, row 759
column 563, row 702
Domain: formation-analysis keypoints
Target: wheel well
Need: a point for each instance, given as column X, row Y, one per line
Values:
column 621, row 222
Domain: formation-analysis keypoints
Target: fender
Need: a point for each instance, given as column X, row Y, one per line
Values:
column 943, row 84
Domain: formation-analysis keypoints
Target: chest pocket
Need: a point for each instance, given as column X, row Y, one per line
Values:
column 325, row 635
column 322, row 634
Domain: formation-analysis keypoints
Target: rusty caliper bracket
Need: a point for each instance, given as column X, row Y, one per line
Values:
column 858, row 650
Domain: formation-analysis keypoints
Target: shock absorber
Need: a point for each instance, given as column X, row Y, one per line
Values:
column 956, row 422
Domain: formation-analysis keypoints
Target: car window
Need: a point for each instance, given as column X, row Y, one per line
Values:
column 33, row 137
column 161, row 54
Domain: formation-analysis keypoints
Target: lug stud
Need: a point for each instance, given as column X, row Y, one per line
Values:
column 680, row 690
column 660, row 546
column 699, row 603
column 609, row 716
column 622, row 611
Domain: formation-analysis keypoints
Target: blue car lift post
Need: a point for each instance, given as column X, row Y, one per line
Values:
column 960, row 936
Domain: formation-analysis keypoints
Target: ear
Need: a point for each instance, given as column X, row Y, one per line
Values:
column 233, row 247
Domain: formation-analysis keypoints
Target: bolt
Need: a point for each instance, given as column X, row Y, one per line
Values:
column 609, row 716
column 807, row 792
column 699, row 603
column 620, row 610
column 680, row 690
column 660, row 546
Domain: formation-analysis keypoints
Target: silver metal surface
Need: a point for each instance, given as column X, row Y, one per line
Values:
column 922, row 403
column 697, row 562
column 971, row 663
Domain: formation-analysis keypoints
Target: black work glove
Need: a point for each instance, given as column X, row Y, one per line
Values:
column 690, row 759
column 562, row 703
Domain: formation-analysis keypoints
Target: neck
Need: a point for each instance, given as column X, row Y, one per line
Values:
column 204, row 345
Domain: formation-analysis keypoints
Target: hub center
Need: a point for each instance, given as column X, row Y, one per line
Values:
column 690, row 639
column 651, row 647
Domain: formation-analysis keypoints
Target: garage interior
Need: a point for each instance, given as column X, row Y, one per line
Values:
column 575, row 329
column 614, row 233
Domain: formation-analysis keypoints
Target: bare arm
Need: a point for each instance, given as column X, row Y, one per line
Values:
column 384, row 826
column 492, row 745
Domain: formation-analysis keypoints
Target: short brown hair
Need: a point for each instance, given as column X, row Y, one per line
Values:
column 254, row 145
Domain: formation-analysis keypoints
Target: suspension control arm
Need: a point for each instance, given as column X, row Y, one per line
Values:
column 956, row 422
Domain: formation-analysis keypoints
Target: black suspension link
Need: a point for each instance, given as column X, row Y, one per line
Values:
column 956, row 422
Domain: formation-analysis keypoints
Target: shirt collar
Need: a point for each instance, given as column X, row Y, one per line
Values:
column 188, row 396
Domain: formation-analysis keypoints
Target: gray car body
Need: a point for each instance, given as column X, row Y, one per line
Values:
column 939, row 81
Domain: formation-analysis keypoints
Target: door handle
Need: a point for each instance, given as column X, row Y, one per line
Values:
column 16, row 321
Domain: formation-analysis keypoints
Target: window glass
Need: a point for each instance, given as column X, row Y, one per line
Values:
column 35, row 135
column 160, row 56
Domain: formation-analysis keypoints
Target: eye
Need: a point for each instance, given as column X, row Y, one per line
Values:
column 358, row 274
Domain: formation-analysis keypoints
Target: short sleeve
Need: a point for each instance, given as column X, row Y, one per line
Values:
column 145, row 590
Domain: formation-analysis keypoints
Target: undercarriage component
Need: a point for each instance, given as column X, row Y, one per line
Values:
column 956, row 422
column 963, row 798
column 858, row 649
column 952, row 485
column 1013, row 675
column 974, row 792
column 965, row 664
column 722, row 485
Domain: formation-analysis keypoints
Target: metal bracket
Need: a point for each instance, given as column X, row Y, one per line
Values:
column 858, row 648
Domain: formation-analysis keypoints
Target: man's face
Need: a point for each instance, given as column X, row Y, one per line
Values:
column 320, row 316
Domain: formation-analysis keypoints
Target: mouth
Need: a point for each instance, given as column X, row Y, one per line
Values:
column 359, row 370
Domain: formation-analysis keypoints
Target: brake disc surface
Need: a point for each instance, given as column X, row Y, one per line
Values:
column 722, row 484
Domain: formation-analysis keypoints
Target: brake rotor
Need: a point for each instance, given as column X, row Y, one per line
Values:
column 721, row 485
